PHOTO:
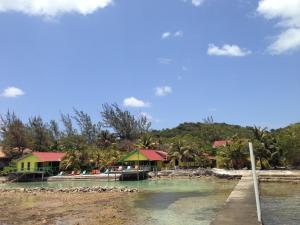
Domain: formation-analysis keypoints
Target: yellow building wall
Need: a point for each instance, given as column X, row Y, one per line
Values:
column 159, row 165
column 33, row 160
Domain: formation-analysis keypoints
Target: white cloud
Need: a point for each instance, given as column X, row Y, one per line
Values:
column 165, row 61
column 227, row 50
column 288, row 12
column 162, row 91
column 134, row 102
column 52, row 8
column 178, row 33
column 197, row 2
column 12, row 92
column 168, row 34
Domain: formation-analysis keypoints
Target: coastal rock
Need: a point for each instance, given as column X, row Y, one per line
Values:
column 70, row 190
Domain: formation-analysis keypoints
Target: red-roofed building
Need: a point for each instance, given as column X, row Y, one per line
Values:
column 49, row 156
column 4, row 160
column 47, row 162
column 146, row 158
column 221, row 143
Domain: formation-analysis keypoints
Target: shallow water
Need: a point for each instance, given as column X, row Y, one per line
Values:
column 165, row 202
column 280, row 203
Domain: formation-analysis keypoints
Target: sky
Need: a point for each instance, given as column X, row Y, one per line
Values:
column 174, row 60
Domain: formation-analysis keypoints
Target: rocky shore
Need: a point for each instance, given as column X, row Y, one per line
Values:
column 197, row 173
column 97, row 189
column 289, row 176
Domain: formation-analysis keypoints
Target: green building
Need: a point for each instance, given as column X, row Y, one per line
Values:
column 146, row 158
column 47, row 162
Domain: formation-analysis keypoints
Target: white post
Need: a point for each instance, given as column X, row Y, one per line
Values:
column 255, row 182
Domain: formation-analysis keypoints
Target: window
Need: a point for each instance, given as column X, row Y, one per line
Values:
column 22, row 166
column 28, row 166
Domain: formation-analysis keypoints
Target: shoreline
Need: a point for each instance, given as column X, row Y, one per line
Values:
column 95, row 189
column 290, row 176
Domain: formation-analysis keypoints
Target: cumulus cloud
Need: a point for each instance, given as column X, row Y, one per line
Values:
column 162, row 91
column 134, row 102
column 197, row 2
column 165, row 61
column 168, row 34
column 178, row 33
column 165, row 35
column 227, row 50
column 288, row 13
column 52, row 8
column 12, row 92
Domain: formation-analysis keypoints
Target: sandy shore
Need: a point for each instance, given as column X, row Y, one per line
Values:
column 65, row 208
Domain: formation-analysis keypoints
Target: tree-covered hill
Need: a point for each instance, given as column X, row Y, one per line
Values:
column 206, row 132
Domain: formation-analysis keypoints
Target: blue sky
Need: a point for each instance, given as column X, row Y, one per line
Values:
column 174, row 60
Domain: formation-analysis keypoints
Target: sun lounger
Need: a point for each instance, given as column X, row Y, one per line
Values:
column 107, row 171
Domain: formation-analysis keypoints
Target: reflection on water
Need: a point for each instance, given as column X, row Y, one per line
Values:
column 164, row 202
column 280, row 203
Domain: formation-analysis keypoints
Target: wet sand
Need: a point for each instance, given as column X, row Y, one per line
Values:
column 66, row 208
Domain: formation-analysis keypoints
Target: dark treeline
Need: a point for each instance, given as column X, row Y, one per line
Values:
column 90, row 144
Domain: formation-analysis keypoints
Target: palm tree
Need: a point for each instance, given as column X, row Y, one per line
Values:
column 234, row 154
column 71, row 160
column 146, row 142
column 266, row 148
column 180, row 151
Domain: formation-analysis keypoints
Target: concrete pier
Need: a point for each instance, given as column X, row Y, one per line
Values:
column 240, row 207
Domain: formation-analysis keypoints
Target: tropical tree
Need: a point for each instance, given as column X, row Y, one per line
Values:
column 87, row 127
column 55, row 135
column 39, row 134
column 105, row 139
column 234, row 154
column 289, row 143
column 71, row 161
column 267, row 149
column 14, row 134
column 146, row 141
column 124, row 124
column 181, row 152
column 68, row 125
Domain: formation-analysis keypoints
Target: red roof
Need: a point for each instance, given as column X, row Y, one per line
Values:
column 217, row 144
column 154, row 155
column 49, row 156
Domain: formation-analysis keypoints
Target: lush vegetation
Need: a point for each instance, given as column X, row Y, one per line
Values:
column 91, row 144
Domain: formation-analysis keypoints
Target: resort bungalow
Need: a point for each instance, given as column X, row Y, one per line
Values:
column 4, row 159
column 220, row 143
column 47, row 162
column 146, row 158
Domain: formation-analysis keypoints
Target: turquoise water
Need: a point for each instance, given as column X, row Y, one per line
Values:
column 280, row 203
column 164, row 202
column 182, row 202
